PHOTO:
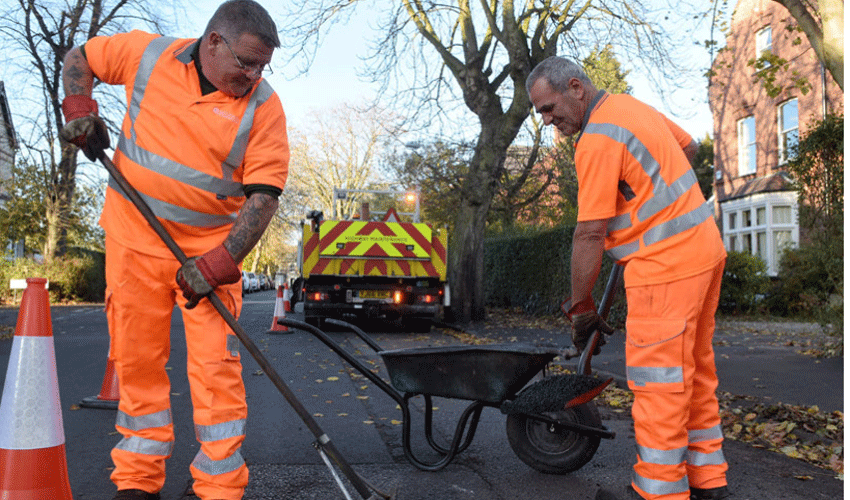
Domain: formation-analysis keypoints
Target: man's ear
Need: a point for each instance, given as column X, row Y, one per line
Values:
column 576, row 88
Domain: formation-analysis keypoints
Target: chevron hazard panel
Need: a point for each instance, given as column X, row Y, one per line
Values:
column 375, row 240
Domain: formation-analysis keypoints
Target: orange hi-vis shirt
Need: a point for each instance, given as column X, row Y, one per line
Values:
column 632, row 171
column 189, row 155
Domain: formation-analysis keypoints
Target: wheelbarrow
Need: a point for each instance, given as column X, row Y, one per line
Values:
column 552, row 424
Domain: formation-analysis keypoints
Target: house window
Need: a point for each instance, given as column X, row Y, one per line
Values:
column 747, row 146
column 762, row 224
column 788, row 126
column 764, row 41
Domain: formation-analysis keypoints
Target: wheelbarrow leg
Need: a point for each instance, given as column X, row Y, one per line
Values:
column 472, row 411
column 470, row 433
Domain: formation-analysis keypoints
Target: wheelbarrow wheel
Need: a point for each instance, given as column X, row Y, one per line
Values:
column 552, row 449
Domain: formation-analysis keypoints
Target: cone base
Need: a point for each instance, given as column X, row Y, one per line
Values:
column 100, row 404
column 34, row 474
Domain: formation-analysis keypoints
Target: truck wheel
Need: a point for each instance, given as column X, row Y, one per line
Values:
column 551, row 449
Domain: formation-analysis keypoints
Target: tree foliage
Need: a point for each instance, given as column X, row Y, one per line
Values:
column 24, row 215
column 703, row 165
column 36, row 35
column 812, row 276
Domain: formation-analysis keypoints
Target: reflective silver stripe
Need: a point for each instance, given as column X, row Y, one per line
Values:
column 678, row 225
column 142, row 422
column 217, row 467
column 641, row 375
column 656, row 487
column 663, row 195
column 217, row 432
column 700, row 435
column 184, row 174
column 622, row 251
column 618, row 222
column 666, row 195
column 149, row 58
column 662, row 457
column 135, row 444
column 240, row 144
column 700, row 459
column 167, row 211
column 219, row 187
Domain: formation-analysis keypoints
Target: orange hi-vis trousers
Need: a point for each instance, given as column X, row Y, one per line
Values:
column 140, row 298
column 670, row 368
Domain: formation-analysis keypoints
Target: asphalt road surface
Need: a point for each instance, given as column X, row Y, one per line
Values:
column 362, row 421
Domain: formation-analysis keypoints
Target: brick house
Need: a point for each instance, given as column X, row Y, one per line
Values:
column 755, row 200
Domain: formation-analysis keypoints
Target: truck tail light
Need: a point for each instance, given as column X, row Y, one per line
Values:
column 318, row 296
column 426, row 299
column 398, row 297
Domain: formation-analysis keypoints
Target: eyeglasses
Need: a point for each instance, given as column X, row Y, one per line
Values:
column 250, row 69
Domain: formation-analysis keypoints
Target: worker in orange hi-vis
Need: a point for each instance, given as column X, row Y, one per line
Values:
column 204, row 142
column 639, row 201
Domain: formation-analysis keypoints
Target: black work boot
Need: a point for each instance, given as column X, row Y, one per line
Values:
column 710, row 494
column 135, row 495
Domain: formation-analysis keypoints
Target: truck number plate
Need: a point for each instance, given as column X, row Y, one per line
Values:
column 374, row 294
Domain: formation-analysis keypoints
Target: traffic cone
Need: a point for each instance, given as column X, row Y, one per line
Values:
column 108, row 397
column 287, row 298
column 32, row 440
column 279, row 312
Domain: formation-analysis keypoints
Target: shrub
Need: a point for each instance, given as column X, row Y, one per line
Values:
column 745, row 282
column 76, row 277
column 810, row 286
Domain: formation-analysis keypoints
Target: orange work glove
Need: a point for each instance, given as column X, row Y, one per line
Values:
column 199, row 276
column 83, row 127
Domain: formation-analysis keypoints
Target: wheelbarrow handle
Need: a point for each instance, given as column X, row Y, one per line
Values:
column 323, row 440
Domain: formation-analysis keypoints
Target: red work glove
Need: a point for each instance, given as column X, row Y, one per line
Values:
column 585, row 323
column 199, row 276
column 83, row 127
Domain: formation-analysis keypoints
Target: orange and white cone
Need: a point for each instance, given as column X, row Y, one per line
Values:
column 279, row 312
column 32, row 439
column 107, row 398
column 287, row 298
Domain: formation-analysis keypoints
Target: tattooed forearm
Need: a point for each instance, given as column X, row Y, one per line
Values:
column 253, row 219
column 77, row 76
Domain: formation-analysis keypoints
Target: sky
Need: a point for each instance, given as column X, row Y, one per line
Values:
column 332, row 78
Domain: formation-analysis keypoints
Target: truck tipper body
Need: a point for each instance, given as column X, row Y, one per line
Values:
column 382, row 269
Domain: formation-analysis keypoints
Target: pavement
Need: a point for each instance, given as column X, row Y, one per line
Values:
column 766, row 361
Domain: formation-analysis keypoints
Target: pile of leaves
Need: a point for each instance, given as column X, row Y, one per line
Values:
column 801, row 432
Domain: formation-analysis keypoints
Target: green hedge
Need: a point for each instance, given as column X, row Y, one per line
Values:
column 76, row 277
column 532, row 272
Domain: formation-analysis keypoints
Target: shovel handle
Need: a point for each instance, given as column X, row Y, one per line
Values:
column 603, row 310
column 323, row 440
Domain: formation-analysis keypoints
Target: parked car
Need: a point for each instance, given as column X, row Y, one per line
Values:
column 246, row 283
column 264, row 284
column 254, row 282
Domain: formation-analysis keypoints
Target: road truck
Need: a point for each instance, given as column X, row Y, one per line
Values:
column 387, row 266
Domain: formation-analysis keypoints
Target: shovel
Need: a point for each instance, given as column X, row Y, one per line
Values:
column 323, row 443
